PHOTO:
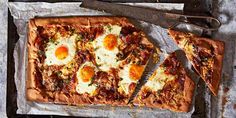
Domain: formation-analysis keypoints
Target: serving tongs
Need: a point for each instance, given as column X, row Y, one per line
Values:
column 164, row 19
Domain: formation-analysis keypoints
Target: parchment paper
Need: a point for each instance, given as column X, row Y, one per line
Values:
column 22, row 12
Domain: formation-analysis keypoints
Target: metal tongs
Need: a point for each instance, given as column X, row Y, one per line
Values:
column 161, row 18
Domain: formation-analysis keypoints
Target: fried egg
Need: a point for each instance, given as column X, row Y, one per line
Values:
column 158, row 79
column 106, row 47
column 60, row 51
column 85, row 76
column 131, row 73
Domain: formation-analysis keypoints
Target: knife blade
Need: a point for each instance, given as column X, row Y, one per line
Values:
column 157, row 17
column 138, row 13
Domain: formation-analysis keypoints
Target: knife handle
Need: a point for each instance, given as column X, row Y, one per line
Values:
column 203, row 22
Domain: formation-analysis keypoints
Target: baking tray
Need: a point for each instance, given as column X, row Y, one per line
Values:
column 194, row 6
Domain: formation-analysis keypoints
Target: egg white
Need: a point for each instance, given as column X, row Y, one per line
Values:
column 107, row 58
column 126, row 79
column 85, row 87
column 158, row 79
column 51, row 58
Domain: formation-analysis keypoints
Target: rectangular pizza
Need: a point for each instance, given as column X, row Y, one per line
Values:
column 85, row 60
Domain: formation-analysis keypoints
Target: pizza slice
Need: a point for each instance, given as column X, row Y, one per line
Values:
column 169, row 87
column 206, row 56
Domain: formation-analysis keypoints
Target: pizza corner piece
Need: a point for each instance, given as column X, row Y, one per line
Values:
column 206, row 56
column 169, row 87
column 85, row 60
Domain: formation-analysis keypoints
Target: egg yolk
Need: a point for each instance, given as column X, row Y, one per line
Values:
column 61, row 52
column 87, row 72
column 110, row 42
column 135, row 72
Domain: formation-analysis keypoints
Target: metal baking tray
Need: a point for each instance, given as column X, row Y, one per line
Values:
column 193, row 6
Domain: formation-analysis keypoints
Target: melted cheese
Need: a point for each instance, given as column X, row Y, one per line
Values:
column 68, row 69
column 182, row 43
column 106, row 48
column 126, row 74
column 84, row 84
column 158, row 79
column 189, row 49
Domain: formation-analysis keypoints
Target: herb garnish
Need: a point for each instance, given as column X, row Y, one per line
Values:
column 96, row 48
column 98, row 65
column 91, row 81
column 79, row 37
column 72, row 31
column 40, row 52
column 138, row 62
column 91, row 39
column 58, row 73
column 51, row 40
column 67, row 81
column 109, row 28
column 128, row 60
column 56, row 42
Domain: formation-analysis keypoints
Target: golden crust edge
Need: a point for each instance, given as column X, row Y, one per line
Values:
column 30, row 80
column 82, row 20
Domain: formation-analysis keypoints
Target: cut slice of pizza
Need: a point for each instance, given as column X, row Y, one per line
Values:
column 169, row 87
column 206, row 56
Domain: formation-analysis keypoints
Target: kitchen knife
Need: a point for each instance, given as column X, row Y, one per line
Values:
column 161, row 18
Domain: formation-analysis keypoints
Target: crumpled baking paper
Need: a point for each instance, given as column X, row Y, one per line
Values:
column 22, row 12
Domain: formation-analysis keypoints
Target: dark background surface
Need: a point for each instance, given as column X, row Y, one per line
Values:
column 191, row 6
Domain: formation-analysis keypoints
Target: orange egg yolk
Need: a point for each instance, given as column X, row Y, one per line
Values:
column 135, row 72
column 87, row 72
column 61, row 52
column 110, row 42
